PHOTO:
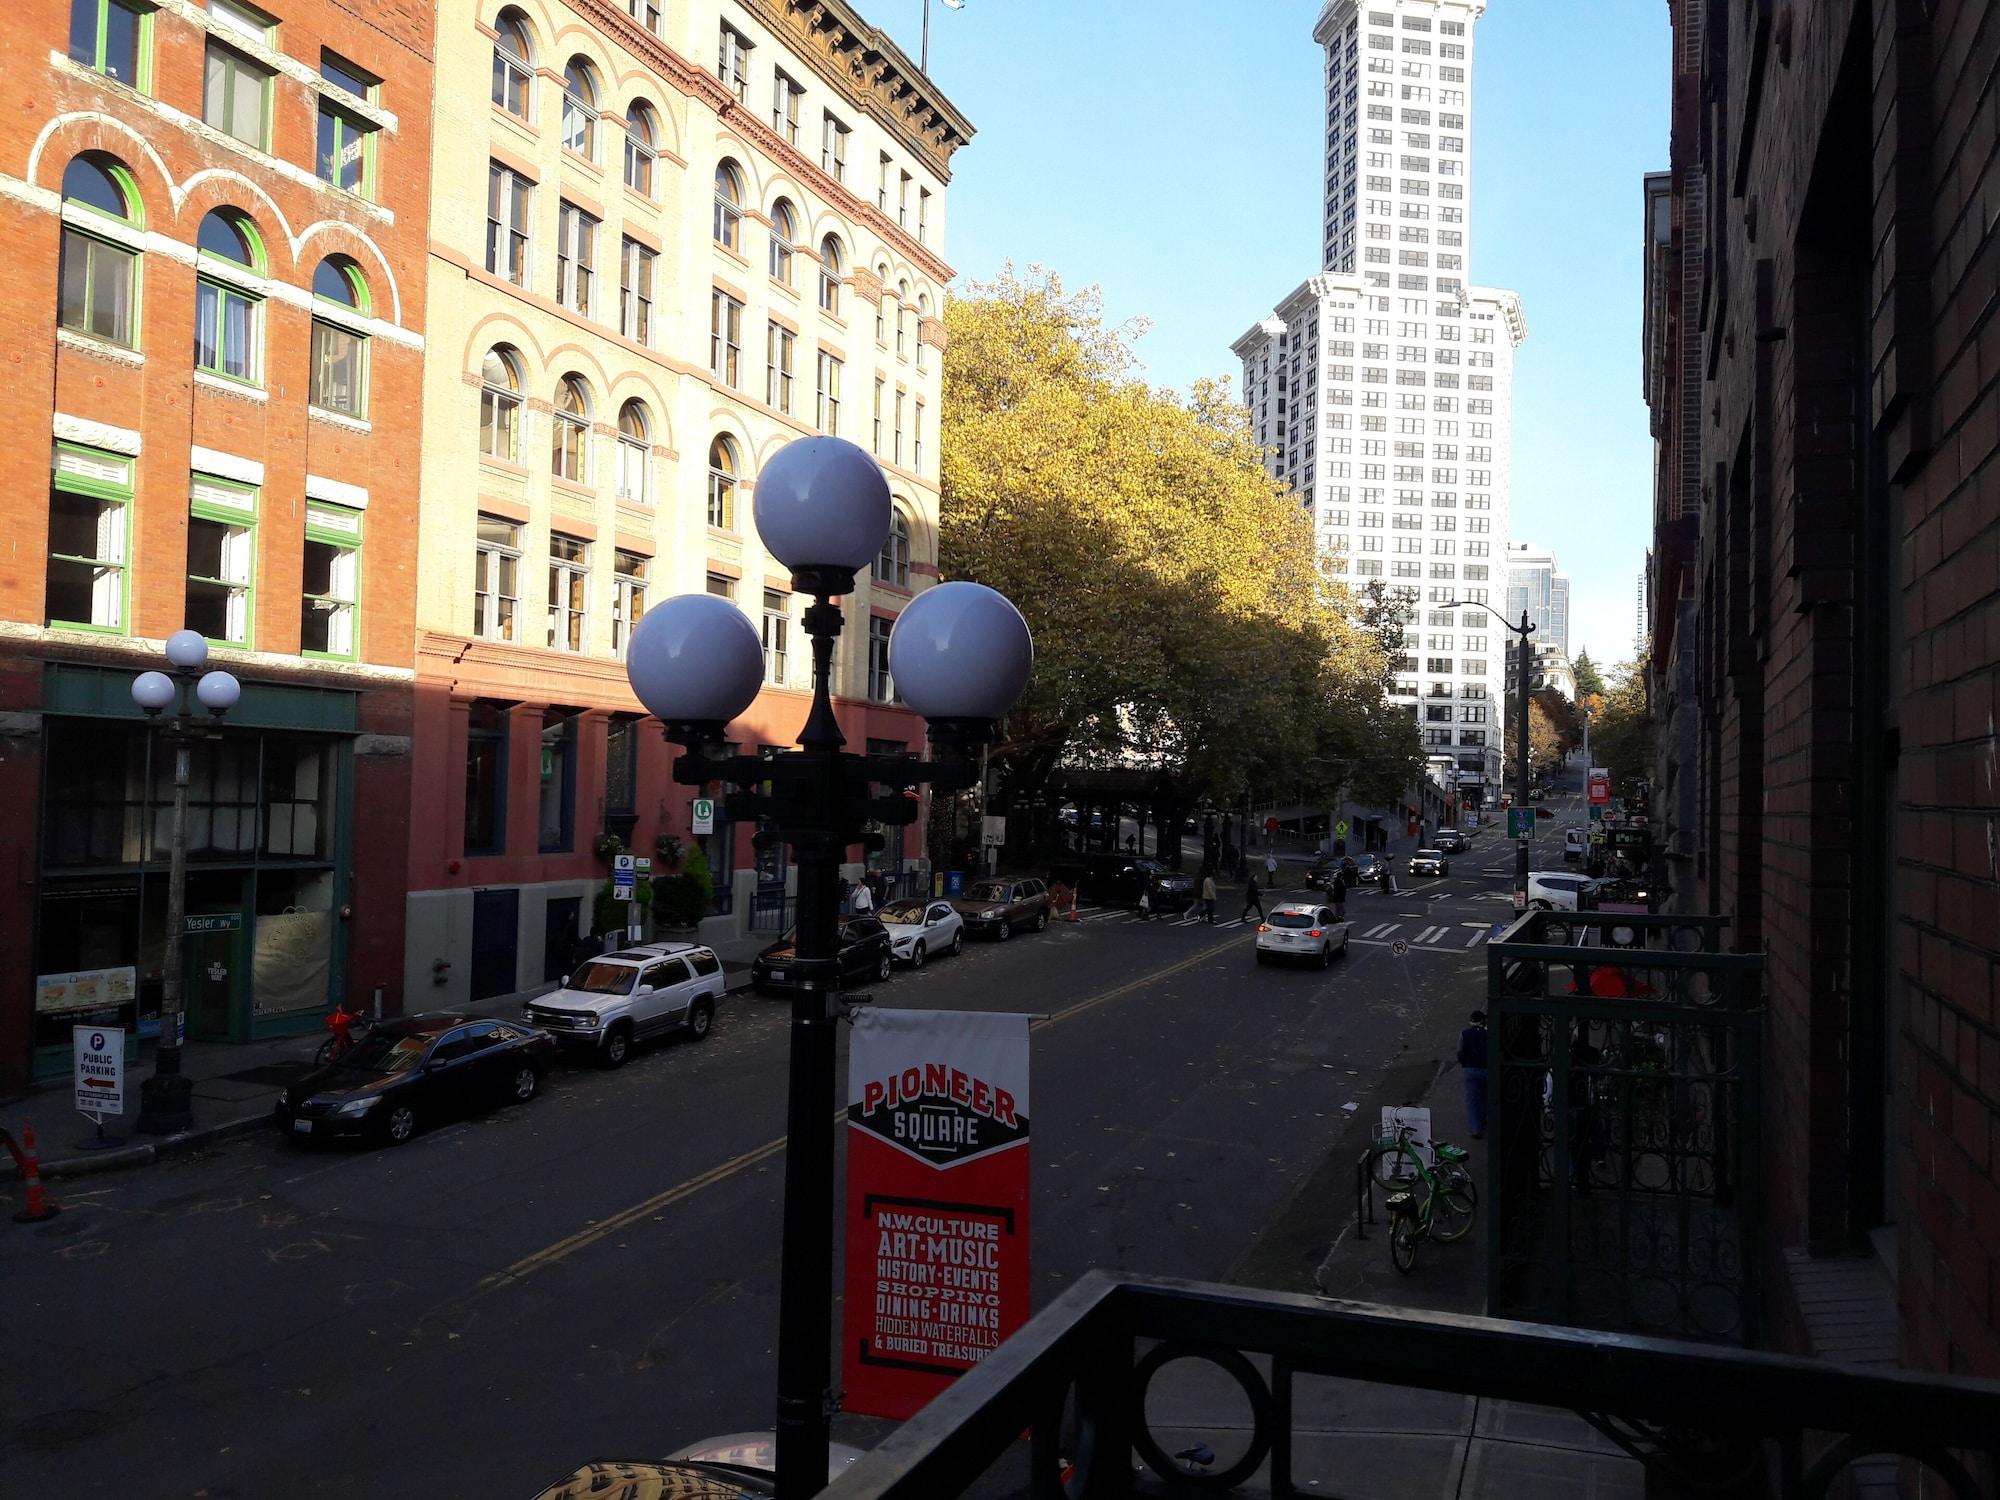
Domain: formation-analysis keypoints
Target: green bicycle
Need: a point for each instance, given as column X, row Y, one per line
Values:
column 1445, row 1208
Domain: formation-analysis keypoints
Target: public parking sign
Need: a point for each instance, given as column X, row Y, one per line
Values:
column 704, row 815
column 100, row 1069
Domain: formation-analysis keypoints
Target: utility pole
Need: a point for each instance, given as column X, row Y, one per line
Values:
column 1526, row 628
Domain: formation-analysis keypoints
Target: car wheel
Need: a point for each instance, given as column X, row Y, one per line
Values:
column 883, row 968
column 527, row 1082
column 1006, row 931
column 958, row 942
column 1263, row 957
column 618, row 1046
column 401, row 1124
column 917, row 956
column 701, row 1016
column 1325, row 954
column 1041, row 919
column 1540, row 906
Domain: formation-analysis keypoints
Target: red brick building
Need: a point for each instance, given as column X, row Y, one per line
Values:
column 1827, row 614
column 212, row 322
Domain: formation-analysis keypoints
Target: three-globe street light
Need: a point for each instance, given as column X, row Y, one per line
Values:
column 1525, row 629
column 165, row 1099
column 960, row 654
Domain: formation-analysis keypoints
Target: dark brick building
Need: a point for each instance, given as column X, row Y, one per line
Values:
column 216, row 218
column 1826, row 629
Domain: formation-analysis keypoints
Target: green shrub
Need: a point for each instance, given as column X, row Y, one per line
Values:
column 682, row 899
column 607, row 912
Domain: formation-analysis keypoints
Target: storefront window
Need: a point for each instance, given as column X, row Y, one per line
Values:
column 486, row 779
column 558, row 796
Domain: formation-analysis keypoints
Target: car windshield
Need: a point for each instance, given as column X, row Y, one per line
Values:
column 600, row 978
column 1427, row 854
column 1297, row 919
column 909, row 913
column 386, row 1052
column 987, row 890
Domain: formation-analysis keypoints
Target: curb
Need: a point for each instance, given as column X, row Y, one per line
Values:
column 139, row 1155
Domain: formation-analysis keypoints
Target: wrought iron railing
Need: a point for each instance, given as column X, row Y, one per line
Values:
column 1702, row 1418
column 770, row 910
column 1625, row 1075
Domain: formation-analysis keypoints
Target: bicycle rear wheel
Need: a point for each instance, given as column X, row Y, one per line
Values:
column 1452, row 1213
column 1457, row 1176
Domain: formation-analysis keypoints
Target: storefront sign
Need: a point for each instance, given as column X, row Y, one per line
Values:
column 100, row 1069
column 1599, row 785
column 86, row 989
column 937, row 1201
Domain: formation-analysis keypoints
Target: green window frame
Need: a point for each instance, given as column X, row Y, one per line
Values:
column 235, row 86
column 228, row 332
column 99, row 295
column 222, row 560
column 99, row 33
column 90, row 499
column 346, row 150
column 330, row 608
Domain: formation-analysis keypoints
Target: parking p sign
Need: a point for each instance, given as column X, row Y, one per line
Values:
column 100, row 1069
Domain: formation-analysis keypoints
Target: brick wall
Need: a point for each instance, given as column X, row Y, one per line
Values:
column 1848, row 573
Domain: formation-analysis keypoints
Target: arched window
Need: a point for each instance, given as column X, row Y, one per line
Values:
column 228, row 317
column 728, row 206
column 579, row 109
column 500, row 404
column 902, row 313
column 642, row 141
column 784, row 230
column 829, row 275
column 723, row 470
column 635, row 453
column 339, row 376
column 513, row 64
column 892, row 564
column 100, row 277
column 569, row 451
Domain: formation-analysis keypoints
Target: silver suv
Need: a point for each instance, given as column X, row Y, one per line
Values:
column 643, row 991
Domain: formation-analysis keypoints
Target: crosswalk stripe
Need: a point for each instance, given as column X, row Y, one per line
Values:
column 1382, row 930
column 1475, row 940
column 1430, row 934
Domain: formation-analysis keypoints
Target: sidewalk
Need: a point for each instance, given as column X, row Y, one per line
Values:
column 236, row 1086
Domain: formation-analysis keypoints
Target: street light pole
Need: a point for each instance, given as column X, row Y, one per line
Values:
column 960, row 655
column 1525, row 629
column 166, row 1098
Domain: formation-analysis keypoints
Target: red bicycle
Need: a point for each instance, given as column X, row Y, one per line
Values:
column 340, row 1023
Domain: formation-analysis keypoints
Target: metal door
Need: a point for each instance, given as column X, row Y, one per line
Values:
column 496, row 936
column 559, row 932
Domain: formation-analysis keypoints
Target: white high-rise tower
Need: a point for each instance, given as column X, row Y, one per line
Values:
column 1381, row 388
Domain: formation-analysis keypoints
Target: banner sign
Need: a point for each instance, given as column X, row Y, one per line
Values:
column 937, row 1201
column 1598, row 784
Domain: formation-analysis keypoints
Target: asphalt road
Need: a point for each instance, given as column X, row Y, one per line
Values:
column 595, row 1273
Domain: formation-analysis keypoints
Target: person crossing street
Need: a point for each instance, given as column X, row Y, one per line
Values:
column 1252, row 901
column 1271, row 870
column 1208, row 897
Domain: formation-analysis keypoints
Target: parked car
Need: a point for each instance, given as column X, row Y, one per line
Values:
column 1450, row 841
column 1301, row 929
column 617, row 1000
column 1429, row 862
column 1554, row 890
column 1117, row 880
column 414, row 1070
column 918, row 928
column 865, row 953
column 997, row 908
column 1368, row 869
column 1617, row 895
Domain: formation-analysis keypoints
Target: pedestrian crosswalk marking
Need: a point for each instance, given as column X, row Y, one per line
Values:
column 1383, row 930
column 1475, row 940
column 1432, row 934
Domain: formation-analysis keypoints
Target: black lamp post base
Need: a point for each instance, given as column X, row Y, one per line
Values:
column 166, row 1105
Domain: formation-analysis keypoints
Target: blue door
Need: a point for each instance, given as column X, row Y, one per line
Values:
column 496, row 933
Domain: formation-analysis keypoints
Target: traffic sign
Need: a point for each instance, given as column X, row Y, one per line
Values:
column 1599, row 784
column 1340, row 829
column 622, row 864
column 624, row 885
column 642, row 866
column 1520, row 822
column 226, row 921
column 704, row 815
column 1399, row 948
column 100, row 1069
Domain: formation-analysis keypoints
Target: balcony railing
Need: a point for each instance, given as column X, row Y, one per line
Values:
column 1627, row 1105
column 1702, row 1418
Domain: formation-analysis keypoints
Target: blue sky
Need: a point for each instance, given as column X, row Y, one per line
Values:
column 1168, row 151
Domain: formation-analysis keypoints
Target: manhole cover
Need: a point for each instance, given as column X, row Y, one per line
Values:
column 58, row 1429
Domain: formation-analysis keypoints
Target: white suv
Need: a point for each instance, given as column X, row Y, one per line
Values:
column 620, row 998
column 1554, row 890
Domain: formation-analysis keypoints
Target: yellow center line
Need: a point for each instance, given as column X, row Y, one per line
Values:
column 590, row 1234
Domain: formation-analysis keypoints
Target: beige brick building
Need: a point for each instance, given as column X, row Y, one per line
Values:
column 665, row 241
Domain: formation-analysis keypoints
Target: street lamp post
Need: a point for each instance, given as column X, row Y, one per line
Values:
column 165, row 1099
column 1525, row 629
column 960, row 654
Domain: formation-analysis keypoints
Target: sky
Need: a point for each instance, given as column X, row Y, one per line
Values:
column 1168, row 151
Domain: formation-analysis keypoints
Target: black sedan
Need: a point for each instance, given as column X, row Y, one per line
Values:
column 409, row 1072
column 866, row 952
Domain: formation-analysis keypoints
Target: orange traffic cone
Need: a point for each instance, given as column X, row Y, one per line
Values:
column 38, row 1207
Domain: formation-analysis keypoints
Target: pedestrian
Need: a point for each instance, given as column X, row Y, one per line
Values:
column 1252, row 901
column 1472, row 1058
column 864, row 899
column 1145, row 903
column 1388, row 878
column 1340, row 895
column 1208, row 897
column 1271, row 870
